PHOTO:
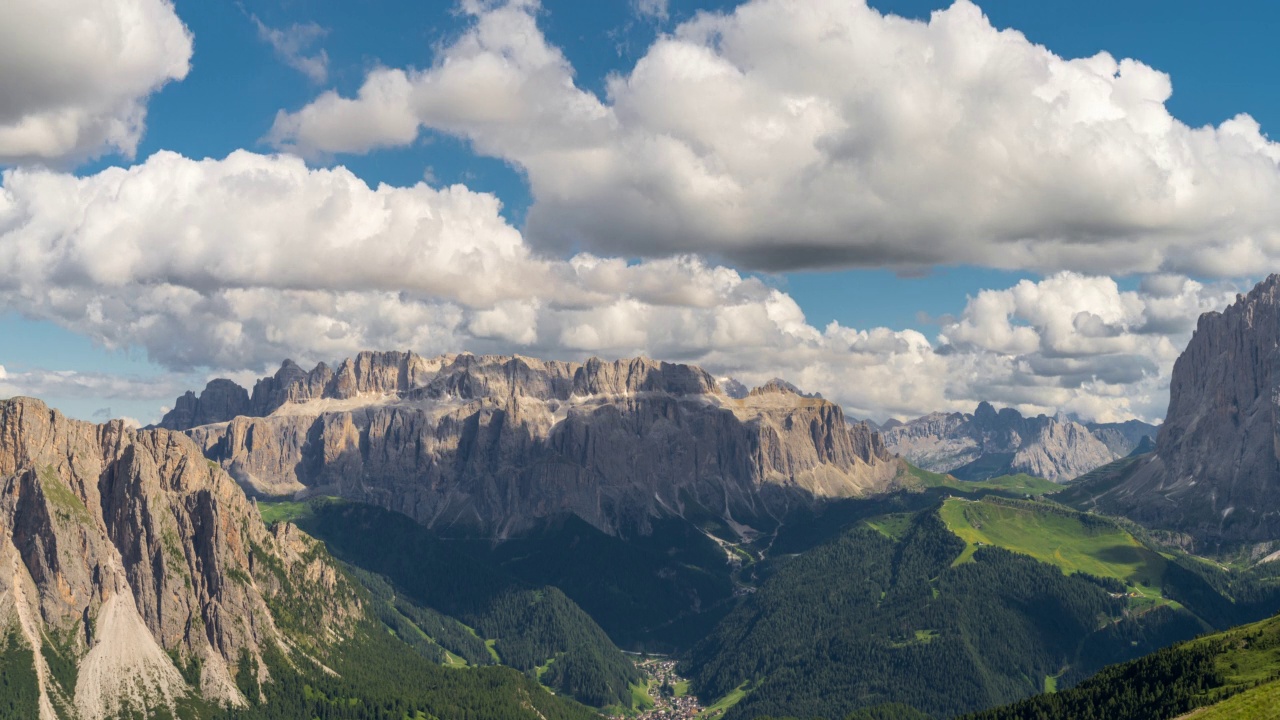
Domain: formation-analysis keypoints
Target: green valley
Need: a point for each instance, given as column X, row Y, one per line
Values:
column 946, row 598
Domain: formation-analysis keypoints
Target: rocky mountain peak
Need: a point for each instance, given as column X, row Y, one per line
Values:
column 380, row 373
column 597, row 376
column 1009, row 415
column 778, row 385
column 1146, row 445
column 733, row 388
column 985, row 412
column 221, row 400
column 289, row 370
column 1216, row 470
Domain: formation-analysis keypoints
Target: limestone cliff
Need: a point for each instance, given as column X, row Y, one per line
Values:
column 128, row 557
column 1215, row 473
column 498, row 442
column 988, row 443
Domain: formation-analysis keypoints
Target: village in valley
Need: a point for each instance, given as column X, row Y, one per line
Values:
column 668, row 692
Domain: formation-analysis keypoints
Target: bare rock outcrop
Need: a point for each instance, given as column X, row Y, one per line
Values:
column 499, row 442
column 129, row 555
column 220, row 401
column 1061, row 451
column 1124, row 438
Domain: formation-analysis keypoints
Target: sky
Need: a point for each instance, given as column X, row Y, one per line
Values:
column 908, row 206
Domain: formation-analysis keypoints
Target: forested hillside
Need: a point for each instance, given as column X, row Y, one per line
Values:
column 1237, row 672
column 935, row 602
column 535, row 629
column 887, row 614
column 376, row 677
column 654, row 591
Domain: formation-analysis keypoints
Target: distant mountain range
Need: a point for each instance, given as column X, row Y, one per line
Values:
column 989, row 443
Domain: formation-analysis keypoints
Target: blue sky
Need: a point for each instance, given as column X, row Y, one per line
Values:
column 1220, row 57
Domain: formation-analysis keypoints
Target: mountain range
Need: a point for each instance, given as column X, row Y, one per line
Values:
column 989, row 443
column 478, row 536
column 498, row 443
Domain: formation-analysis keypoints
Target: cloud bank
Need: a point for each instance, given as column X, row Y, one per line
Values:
column 62, row 383
column 780, row 135
column 810, row 135
column 77, row 74
column 234, row 264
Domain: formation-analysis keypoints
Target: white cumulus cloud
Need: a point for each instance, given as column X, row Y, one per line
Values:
column 75, row 75
column 229, row 266
column 236, row 263
column 816, row 134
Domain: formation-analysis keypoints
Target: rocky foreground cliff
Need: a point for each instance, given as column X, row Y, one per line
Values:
column 988, row 443
column 132, row 568
column 1215, row 473
column 496, row 443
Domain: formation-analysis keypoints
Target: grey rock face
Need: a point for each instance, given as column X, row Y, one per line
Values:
column 497, row 442
column 220, row 401
column 1124, row 438
column 778, row 385
column 1060, row 451
column 128, row 548
column 939, row 442
column 289, row 384
column 990, row 442
column 733, row 388
column 1216, row 470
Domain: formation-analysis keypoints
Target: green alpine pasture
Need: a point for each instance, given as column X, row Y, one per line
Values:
column 892, row 526
column 1260, row 703
column 274, row 511
column 1072, row 541
column 722, row 706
